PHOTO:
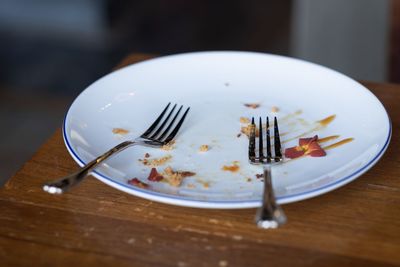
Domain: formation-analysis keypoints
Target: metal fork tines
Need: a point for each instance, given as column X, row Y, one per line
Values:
column 270, row 214
column 161, row 132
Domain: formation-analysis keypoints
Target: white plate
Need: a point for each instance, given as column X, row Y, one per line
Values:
column 216, row 85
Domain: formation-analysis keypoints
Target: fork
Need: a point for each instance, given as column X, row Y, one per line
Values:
column 157, row 135
column 270, row 214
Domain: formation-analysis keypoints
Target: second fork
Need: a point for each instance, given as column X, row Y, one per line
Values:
column 270, row 214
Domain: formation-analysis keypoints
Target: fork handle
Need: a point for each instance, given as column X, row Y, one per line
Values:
column 62, row 185
column 270, row 214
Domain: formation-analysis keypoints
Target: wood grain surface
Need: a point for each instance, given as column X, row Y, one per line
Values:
column 96, row 225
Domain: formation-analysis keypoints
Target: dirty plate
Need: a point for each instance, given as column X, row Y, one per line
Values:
column 307, row 99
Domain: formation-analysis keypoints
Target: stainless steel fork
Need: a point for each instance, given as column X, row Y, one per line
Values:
column 270, row 214
column 158, row 134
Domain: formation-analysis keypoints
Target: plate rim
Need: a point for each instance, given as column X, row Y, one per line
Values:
column 225, row 204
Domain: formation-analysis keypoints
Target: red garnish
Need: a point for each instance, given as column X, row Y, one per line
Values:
column 136, row 182
column 307, row 146
column 154, row 176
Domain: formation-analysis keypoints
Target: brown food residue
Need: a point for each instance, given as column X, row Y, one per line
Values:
column 244, row 120
column 147, row 155
column 274, row 109
column 247, row 130
column 175, row 178
column 156, row 161
column 259, row 175
column 154, row 176
column 120, row 131
column 170, row 176
column 169, row 145
column 204, row 148
column 136, row 182
column 191, row 186
column 252, row 105
column 205, row 184
column 232, row 168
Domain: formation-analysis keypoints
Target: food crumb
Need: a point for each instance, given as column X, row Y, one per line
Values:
column 232, row 168
column 259, row 175
column 147, row 155
column 120, row 131
column 248, row 179
column 156, row 161
column 205, row 184
column 252, row 105
column 169, row 145
column 191, row 186
column 175, row 178
column 239, row 135
column 247, row 130
column 244, row 120
column 136, row 182
column 274, row 109
column 204, row 148
column 154, row 176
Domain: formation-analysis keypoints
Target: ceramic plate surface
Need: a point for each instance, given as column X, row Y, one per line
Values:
column 306, row 98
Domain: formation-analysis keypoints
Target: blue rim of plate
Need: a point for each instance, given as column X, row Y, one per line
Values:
column 186, row 201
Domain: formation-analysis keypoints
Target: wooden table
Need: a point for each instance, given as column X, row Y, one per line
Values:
column 96, row 225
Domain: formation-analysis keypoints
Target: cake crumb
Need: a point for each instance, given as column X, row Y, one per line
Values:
column 205, row 184
column 169, row 145
column 247, row 130
column 120, row 131
column 136, row 182
column 175, row 178
column 191, row 186
column 275, row 109
column 232, row 168
column 252, row 105
column 244, row 120
column 147, row 155
column 156, row 161
column 204, row 148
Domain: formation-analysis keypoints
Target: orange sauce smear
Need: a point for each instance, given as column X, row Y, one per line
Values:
column 232, row 168
column 342, row 142
column 327, row 120
column 328, row 138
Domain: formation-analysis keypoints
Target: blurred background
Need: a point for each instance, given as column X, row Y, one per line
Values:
column 52, row 49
